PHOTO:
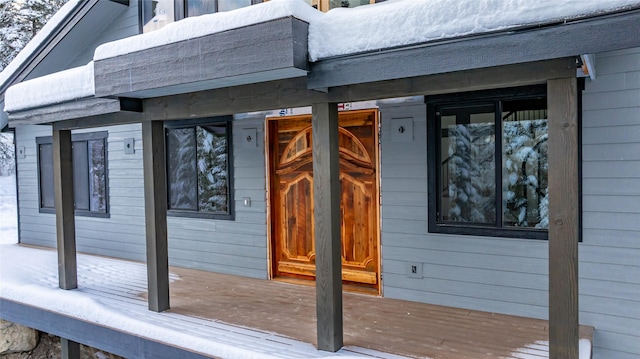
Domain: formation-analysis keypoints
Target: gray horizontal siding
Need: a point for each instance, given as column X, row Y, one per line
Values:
column 490, row 274
column 610, row 252
column 510, row 275
column 122, row 234
column 230, row 246
column 227, row 246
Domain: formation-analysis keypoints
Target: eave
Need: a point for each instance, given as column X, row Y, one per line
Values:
column 585, row 36
column 82, row 113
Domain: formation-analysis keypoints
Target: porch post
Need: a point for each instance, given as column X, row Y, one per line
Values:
column 64, row 204
column 564, row 223
column 69, row 349
column 155, row 208
column 326, row 196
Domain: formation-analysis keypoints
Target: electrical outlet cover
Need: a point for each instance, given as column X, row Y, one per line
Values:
column 414, row 270
column 401, row 129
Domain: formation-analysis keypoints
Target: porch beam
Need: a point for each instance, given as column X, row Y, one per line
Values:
column 564, row 218
column 326, row 208
column 69, row 349
column 64, row 204
column 294, row 92
column 155, row 206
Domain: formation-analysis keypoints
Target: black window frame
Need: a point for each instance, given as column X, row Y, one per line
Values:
column 76, row 137
column 434, row 156
column 218, row 120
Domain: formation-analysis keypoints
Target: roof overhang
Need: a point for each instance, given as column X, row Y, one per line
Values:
column 257, row 53
column 82, row 113
column 590, row 35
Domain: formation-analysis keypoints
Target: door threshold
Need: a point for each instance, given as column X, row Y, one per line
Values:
column 350, row 288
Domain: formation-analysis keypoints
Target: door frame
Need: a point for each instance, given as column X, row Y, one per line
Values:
column 269, row 161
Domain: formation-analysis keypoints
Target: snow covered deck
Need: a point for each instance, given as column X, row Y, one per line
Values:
column 231, row 317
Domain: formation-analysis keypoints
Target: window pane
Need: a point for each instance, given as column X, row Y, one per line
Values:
column 181, row 166
column 212, row 168
column 156, row 14
column 347, row 3
column 80, row 175
column 525, row 134
column 227, row 5
column 46, row 176
column 97, row 176
column 201, row 7
column 467, row 190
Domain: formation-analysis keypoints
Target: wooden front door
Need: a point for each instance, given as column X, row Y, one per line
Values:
column 291, row 197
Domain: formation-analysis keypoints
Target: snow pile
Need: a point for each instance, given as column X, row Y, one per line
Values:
column 396, row 23
column 540, row 349
column 37, row 40
column 199, row 26
column 8, row 210
column 55, row 88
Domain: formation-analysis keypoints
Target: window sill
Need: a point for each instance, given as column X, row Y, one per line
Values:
column 79, row 213
column 488, row 231
column 202, row 215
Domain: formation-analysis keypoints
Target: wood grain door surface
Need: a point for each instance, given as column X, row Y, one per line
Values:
column 291, row 197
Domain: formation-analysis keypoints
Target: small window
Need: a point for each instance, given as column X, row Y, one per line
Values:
column 348, row 3
column 201, row 7
column 156, row 14
column 89, row 156
column 488, row 161
column 198, row 168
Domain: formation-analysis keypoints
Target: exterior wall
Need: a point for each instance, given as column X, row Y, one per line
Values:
column 224, row 246
column 482, row 273
column 124, row 26
column 120, row 235
column 510, row 275
column 610, row 252
column 230, row 246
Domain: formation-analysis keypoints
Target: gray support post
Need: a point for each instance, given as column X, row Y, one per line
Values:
column 564, row 220
column 64, row 203
column 69, row 349
column 155, row 206
column 326, row 195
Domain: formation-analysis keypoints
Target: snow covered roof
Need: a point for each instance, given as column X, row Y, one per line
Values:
column 55, row 88
column 339, row 32
column 389, row 24
column 193, row 27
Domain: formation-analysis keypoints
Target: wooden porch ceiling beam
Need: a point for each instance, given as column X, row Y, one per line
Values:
column 64, row 204
column 326, row 209
column 564, row 218
column 85, row 113
column 294, row 93
column 155, row 211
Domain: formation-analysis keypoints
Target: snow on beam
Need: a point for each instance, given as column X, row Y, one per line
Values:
column 59, row 87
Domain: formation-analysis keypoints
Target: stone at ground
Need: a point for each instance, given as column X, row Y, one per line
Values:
column 15, row 338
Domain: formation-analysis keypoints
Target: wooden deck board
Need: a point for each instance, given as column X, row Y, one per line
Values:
column 275, row 317
column 388, row 325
